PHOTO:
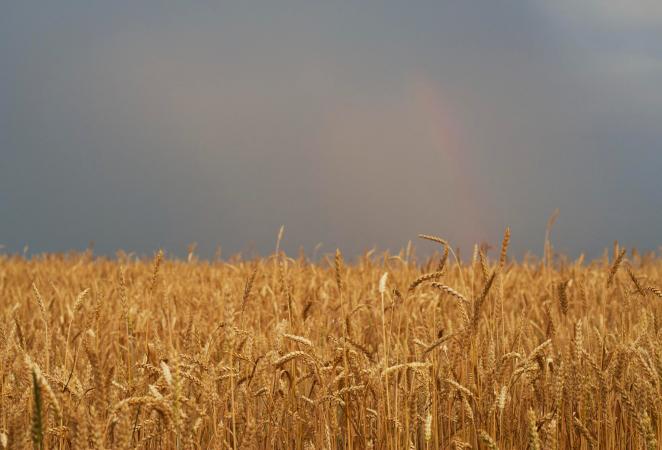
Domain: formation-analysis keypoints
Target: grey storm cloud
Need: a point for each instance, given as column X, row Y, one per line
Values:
column 149, row 125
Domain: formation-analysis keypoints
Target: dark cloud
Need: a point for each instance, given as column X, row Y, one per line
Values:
column 139, row 126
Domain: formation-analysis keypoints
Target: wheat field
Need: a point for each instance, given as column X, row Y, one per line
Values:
column 383, row 352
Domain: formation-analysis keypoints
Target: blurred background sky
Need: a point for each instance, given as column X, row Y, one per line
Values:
column 149, row 124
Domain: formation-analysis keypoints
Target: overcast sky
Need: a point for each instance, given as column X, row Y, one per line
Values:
column 140, row 125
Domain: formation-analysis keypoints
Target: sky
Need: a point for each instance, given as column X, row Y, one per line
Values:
column 358, row 125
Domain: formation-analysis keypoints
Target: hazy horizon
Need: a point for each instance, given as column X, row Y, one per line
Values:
column 149, row 125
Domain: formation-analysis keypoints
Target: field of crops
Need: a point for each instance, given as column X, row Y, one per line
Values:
column 381, row 352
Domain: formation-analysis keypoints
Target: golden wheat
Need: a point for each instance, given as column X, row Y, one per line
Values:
column 284, row 353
